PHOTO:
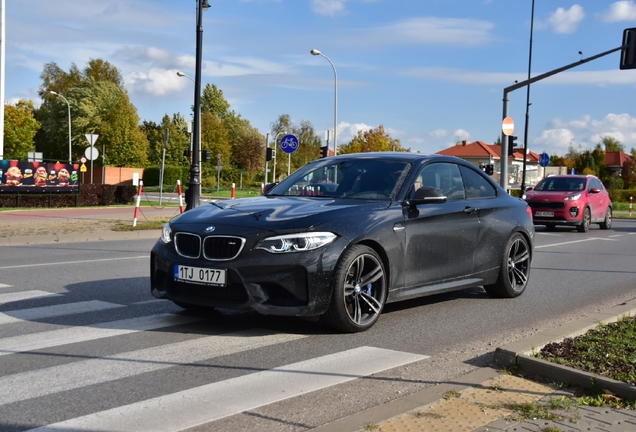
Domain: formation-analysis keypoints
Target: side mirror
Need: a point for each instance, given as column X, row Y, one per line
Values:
column 529, row 188
column 595, row 190
column 427, row 195
column 268, row 187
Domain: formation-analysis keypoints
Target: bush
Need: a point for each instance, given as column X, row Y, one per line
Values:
column 170, row 175
column 621, row 195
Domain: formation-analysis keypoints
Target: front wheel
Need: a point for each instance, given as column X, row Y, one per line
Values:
column 359, row 291
column 607, row 223
column 584, row 226
column 514, row 271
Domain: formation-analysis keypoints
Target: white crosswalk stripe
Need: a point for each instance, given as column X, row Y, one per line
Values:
column 55, row 311
column 57, row 377
column 24, row 295
column 211, row 402
column 4, row 286
column 54, row 338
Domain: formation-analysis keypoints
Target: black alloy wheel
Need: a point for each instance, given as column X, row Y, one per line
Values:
column 360, row 290
column 514, row 271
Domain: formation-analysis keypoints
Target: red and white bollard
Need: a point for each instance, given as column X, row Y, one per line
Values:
column 141, row 185
column 233, row 190
column 262, row 188
column 630, row 206
column 180, row 196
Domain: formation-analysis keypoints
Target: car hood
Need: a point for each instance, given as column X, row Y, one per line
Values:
column 278, row 214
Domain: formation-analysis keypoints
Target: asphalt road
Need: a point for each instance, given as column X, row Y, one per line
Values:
column 82, row 340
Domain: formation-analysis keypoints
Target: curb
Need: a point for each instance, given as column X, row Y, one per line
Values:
column 79, row 237
column 520, row 353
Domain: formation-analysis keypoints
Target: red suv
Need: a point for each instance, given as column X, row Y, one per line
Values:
column 577, row 200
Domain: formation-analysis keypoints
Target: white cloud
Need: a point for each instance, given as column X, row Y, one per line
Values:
column 438, row 133
column 585, row 133
column 155, row 81
column 432, row 30
column 328, row 7
column 461, row 134
column 566, row 21
column 620, row 11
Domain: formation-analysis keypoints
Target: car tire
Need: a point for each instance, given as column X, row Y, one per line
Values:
column 584, row 226
column 359, row 291
column 607, row 223
column 514, row 271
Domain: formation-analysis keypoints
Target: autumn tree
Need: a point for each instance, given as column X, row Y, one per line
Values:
column 372, row 140
column 20, row 127
column 308, row 143
column 178, row 140
column 98, row 104
column 611, row 144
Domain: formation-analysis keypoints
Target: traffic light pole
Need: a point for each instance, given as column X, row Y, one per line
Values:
column 503, row 178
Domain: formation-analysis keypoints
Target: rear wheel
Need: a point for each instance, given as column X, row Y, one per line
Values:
column 359, row 291
column 607, row 223
column 514, row 271
column 584, row 226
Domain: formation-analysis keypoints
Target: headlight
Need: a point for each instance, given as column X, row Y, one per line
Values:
column 166, row 234
column 573, row 197
column 524, row 197
column 300, row 242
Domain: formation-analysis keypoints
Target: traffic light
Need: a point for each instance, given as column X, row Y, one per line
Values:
column 490, row 169
column 205, row 155
column 324, row 151
column 511, row 144
column 628, row 54
column 268, row 154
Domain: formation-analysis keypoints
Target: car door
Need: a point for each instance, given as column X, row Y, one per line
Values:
column 599, row 200
column 440, row 238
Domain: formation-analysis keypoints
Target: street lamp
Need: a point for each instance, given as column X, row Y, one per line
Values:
column 181, row 74
column 335, row 103
column 193, row 196
column 69, row 123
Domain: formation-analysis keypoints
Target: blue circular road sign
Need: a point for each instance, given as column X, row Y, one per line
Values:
column 289, row 143
column 544, row 160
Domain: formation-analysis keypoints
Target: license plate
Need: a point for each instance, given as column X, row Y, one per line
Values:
column 544, row 214
column 200, row 276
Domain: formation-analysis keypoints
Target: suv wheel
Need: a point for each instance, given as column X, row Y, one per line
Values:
column 607, row 223
column 584, row 226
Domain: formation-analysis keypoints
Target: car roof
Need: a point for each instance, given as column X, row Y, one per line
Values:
column 404, row 156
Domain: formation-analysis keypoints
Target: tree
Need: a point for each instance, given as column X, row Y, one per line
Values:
column 627, row 173
column 212, row 100
column 20, row 127
column 611, row 144
column 372, row 140
column 101, row 70
column 178, row 140
column 98, row 104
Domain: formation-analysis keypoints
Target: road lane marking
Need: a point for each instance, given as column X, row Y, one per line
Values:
column 65, row 336
column 4, row 286
column 55, row 310
column 73, row 262
column 207, row 403
column 43, row 382
column 25, row 295
column 573, row 241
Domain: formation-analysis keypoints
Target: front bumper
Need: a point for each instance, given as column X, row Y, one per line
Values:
column 295, row 284
column 569, row 214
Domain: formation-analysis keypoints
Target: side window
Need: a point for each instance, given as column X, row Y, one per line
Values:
column 476, row 185
column 444, row 176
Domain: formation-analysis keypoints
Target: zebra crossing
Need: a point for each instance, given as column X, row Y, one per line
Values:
column 53, row 383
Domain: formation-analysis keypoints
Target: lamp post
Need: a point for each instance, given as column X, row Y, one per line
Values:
column 525, row 131
column 181, row 74
column 194, row 184
column 335, row 103
column 69, row 123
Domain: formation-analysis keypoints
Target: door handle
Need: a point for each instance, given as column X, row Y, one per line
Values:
column 470, row 210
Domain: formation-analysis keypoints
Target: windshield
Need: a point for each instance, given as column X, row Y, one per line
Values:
column 353, row 178
column 560, row 184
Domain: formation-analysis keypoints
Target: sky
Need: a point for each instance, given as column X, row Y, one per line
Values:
column 431, row 72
